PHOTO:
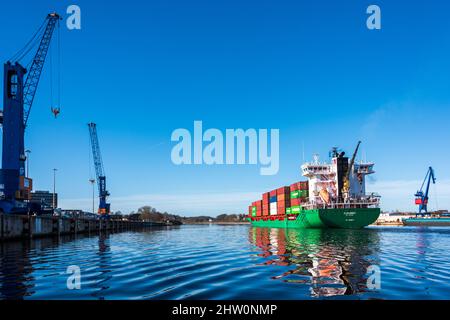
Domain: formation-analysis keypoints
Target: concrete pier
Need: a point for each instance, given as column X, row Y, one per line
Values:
column 25, row 227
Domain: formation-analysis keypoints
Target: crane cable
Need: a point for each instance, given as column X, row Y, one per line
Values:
column 59, row 65
column 28, row 46
column 55, row 102
column 51, row 74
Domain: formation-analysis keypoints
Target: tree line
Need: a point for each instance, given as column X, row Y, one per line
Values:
column 150, row 214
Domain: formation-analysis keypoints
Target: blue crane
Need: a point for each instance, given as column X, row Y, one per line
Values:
column 421, row 196
column 18, row 97
column 103, row 206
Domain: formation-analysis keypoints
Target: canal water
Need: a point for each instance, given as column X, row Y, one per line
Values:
column 233, row 262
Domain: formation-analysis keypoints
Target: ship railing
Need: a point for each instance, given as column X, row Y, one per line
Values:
column 365, row 171
column 369, row 203
column 373, row 195
column 317, row 171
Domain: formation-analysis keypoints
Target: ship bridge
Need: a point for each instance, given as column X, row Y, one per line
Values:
column 364, row 168
column 314, row 169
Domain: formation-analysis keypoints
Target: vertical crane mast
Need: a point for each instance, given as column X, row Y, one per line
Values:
column 103, row 207
column 18, row 96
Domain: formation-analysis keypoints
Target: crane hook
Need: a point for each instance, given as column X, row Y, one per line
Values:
column 56, row 111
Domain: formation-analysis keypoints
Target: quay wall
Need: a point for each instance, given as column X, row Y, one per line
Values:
column 23, row 227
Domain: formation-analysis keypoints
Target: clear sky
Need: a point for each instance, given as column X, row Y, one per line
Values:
column 141, row 69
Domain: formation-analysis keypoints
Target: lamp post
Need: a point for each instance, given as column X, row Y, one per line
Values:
column 28, row 162
column 92, row 181
column 54, row 188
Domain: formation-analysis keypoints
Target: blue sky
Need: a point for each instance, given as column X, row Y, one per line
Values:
column 141, row 69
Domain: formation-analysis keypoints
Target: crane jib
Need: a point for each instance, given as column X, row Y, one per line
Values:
column 34, row 74
column 104, row 207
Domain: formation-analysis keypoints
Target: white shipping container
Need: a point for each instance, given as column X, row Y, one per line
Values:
column 273, row 209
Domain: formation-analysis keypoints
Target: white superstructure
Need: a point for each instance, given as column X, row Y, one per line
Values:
column 327, row 180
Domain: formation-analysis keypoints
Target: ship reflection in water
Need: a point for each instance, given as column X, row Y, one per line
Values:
column 332, row 262
column 224, row 262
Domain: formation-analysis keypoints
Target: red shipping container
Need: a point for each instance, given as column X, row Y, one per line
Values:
column 282, row 190
column 419, row 201
column 250, row 210
column 266, row 212
column 294, row 187
column 303, row 185
column 258, row 213
column 273, row 193
column 266, row 196
column 295, row 202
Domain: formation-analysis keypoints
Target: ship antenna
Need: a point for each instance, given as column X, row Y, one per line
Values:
column 316, row 158
column 303, row 151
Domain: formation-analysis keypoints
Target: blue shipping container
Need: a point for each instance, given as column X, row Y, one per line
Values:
column 273, row 199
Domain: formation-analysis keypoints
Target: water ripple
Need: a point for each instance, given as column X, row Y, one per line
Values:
column 232, row 262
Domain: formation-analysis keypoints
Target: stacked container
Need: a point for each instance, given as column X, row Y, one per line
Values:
column 273, row 203
column 299, row 195
column 252, row 211
column 295, row 200
column 283, row 200
column 258, row 205
column 266, row 204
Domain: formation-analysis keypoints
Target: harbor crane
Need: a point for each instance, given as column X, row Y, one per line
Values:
column 421, row 195
column 18, row 97
column 103, row 206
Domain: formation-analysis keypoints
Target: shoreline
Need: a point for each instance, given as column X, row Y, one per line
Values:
column 226, row 223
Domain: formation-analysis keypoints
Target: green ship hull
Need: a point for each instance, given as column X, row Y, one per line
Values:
column 349, row 218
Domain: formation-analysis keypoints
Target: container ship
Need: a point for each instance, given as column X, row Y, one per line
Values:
column 332, row 196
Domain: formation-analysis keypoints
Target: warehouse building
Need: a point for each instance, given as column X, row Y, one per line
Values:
column 44, row 197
